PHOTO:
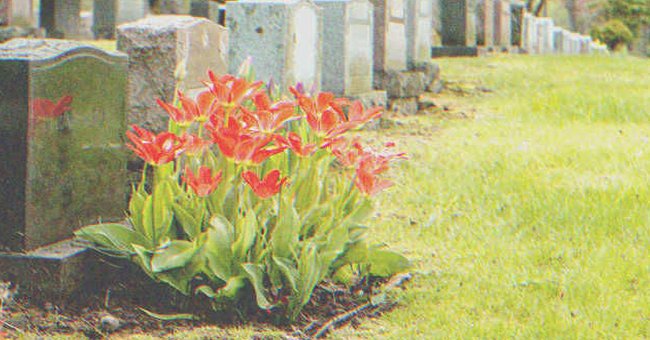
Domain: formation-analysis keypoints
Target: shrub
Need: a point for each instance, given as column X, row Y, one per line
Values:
column 253, row 197
column 614, row 33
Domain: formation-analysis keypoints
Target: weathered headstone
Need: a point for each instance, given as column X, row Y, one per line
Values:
column 566, row 41
column 585, row 45
column 436, row 32
column 282, row 37
column 389, row 36
column 529, row 34
column 168, row 53
column 544, row 27
column 558, row 40
column 347, row 60
column 517, row 11
column 206, row 9
column 502, row 21
column 575, row 43
column 174, row 6
column 458, row 23
column 5, row 12
column 63, row 163
column 419, row 18
column 108, row 14
column 61, row 18
column 485, row 23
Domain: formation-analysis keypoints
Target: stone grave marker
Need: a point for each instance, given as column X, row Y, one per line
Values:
column 108, row 14
column 517, row 11
column 585, row 45
column 347, row 60
column 174, row 6
column 169, row 53
column 61, row 18
column 529, row 34
column 436, row 33
column 6, row 12
column 558, row 40
column 283, row 38
column 389, row 37
column 63, row 163
column 419, row 19
column 206, row 9
column 485, row 23
column 544, row 27
column 566, row 41
column 575, row 43
column 502, row 21
column 458, row 23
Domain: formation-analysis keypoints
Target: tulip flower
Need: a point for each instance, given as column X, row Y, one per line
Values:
column 241, row 146
column 367, row 177
column 267, row 187
column 294, row 142
column 205, row 183
column 357, row 115
column 193, row 145
column 268, row 118
column 324, row 114
column 46, row 109
column 154, row 149
column 230, row 90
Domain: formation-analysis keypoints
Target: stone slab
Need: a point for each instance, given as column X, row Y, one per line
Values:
column 390, row 47
column 63, row 119
column 283, row 38
column 458, row 21
column 419, row 20
column 502, row 22
column 169, row 53
column 348, row 60
column 60, row 18
column 485, row 23
column 453, row 51
column 517, row 11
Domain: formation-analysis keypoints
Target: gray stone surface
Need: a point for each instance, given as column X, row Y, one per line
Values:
column 60, row 18
column 529, row 34
column 485, row 23
column 22, row 13
column 436, row 24
column 400, row 84
column 558, row 40
column 419, row 19
column 283, row 38
column 404, row 106
column 372, row 98
column 517, row 10
column 6, row 12
column 206, row 9
column 431, row 72
column 108, row 14
column 167, row 53
column 502, row 21
column 63, row 120
column 458, row 21
column 389, row 36
column 347, row 60
column 544, row 28
column 174, row 6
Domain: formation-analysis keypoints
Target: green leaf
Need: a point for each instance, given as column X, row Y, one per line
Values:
column 285, row 233
column 136, row 208
column 386, row 263
column 176, row 255
column 255, row 274
column 144, row 257
column 162, row 209
column 289, row 271
column 114, row 236
column 217, row 248
column 247, row 232
column 191, row 223
column 169, row 317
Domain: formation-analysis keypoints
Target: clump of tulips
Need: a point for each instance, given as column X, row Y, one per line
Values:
column 254, row 197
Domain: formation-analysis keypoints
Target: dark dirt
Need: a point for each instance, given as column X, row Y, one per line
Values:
column 115, row 308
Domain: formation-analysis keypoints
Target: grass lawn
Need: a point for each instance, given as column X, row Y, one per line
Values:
column 530, row 218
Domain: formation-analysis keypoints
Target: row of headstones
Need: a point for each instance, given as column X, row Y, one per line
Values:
column 541, row 36
column 66, row 105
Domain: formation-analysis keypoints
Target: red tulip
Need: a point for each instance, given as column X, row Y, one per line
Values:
column 205, row 183
column 268, row 118
column 191, row 110
column 241, row 146
column 294, row 142
column 230, row 90
column 268, row 187
column 357, row 115
column 324, row 114
column 154, row 149
column 367, row 180
column 193, row 145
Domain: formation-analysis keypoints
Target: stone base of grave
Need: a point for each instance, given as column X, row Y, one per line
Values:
column 403, row 106
column 372, row 98
column 453, row 51
column 10, row 32
column 48, row 274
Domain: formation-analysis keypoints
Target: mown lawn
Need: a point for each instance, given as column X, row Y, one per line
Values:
column 530, row 216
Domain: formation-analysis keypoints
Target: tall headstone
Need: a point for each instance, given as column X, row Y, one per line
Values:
column 174, row 6
column 419, row 19
column 544, row 27
column 458, row 23
column 108, row 14
column 283, row 38
column 566, row 41
column 502, row 21
column 485, row 23
column 389, row 36
column 63, row 163
column 347, row 60
column 61, row 18
column 558, row 40
column 206, row 9
column 169, row 53
column 517, row 11
column 529, row 34
column 436, row 27
column 575, row 43
column 6, row 12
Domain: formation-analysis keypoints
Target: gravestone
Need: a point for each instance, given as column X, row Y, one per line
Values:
column 566, row 41
column 206, row 9
column 529, row 34
column 436, row 32
column 63, row 163
column 517, row 11
column 558, row 40
column 575, row 43
column 544, row 27
column 61, row 18
column 485, row 23
column 458, row 23
column 502, row 20
column 6, row 12
column 174, row 6
column 585, row 45
column 419, row 18
column 282, row 37
column 389, row 36
column 166, row 53
column 347, row 60
column 108, row 14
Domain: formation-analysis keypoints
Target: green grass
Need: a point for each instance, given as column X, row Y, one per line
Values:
column 531, row 220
